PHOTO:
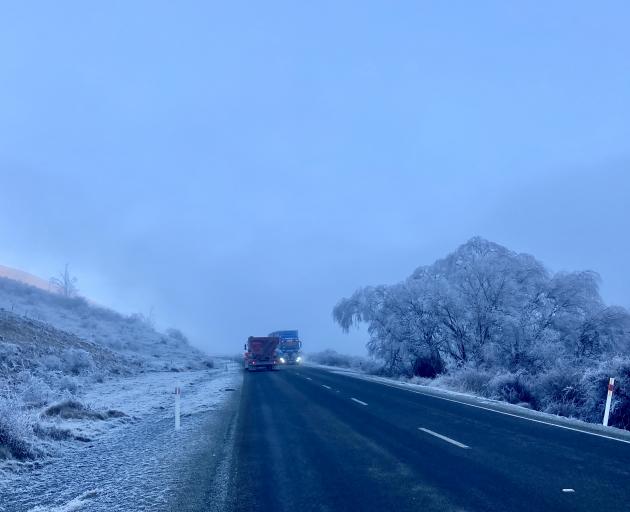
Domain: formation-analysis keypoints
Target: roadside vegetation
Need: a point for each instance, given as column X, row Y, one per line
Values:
column 498, row 324
column 331, row 357
column 53, row 346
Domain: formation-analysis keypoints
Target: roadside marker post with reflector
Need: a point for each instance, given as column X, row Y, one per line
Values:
column 178, row 394
column 611, row 387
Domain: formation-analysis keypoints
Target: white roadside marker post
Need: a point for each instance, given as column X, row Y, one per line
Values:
column 611, row 386
column 178, row 394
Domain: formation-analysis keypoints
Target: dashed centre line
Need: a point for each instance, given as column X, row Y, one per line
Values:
column 358, row 401
column 325, row 386
column 443, row 438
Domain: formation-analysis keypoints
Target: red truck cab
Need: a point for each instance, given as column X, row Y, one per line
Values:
column 260, row 352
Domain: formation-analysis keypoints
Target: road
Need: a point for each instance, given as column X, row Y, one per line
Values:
column 308, row 439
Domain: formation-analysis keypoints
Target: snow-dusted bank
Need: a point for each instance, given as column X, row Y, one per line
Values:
column 131, row 461
column 87, row 404
column 55, row 350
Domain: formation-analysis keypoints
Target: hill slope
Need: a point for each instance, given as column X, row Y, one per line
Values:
column 130, row 335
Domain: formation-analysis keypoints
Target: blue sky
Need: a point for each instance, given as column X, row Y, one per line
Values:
column 241, row 166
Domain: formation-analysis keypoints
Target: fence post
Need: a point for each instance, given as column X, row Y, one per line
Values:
column 178, row 393
column 611, row 386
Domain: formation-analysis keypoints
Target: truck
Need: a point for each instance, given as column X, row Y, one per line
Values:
column 260, row 352
column 289, row 349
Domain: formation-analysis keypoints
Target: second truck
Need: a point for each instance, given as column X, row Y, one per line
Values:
column 289, row 349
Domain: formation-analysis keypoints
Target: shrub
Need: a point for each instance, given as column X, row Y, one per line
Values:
column 77, row 360
column 35, row 392
column 428, row 366
column 512, row 388
column 52, row 432
column 468, row 379
column 51, row 362
column 177, row 336
column 560, row 391
column 73, row 409
column 595, row 382
column 64, row 383
column 17, row 438
column 333, row 358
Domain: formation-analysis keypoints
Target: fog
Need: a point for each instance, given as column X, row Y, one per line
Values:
column 238, row 169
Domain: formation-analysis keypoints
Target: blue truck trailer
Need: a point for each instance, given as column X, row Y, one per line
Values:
column 289, row 349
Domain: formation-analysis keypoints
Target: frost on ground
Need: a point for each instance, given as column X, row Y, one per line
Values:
column 130, row 462
column 86, row 404
column 54, row 348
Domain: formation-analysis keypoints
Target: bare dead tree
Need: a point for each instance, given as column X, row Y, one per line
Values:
column 65, row 284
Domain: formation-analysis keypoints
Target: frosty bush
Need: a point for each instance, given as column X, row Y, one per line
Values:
column 77, row 360
column 333, row 358
column 595, row 382
column 472, row 380
column 51, row 362
column 17, row 438
column 34, row 392
column 561, row 391
column 512, row 388
column 65, row 383
column 176, row 336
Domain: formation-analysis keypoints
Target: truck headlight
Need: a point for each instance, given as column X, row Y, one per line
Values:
column 298, row 359
column 282, row 360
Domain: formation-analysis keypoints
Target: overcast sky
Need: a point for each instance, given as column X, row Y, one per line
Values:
column 239, row 167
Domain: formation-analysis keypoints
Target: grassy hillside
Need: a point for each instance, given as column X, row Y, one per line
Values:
column 53, row 348
column 130, row 335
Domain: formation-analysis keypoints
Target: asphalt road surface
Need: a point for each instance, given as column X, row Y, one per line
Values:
column 305, row 439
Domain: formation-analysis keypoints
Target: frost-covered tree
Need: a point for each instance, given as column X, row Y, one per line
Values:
column 65, row 283
column 486, row 306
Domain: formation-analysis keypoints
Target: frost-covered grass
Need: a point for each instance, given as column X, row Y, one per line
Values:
column 133, row 460
column 17, row 431
column 134, row 334
column 28, row 433
column 54, row 350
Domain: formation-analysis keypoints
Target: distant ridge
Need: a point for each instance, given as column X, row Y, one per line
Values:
column 25, row 277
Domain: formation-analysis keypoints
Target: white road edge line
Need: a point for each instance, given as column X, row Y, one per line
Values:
column 502, row 412
column 358, row 401
column 308, row 378
column 325, row 386
column 444, row 438
column 568, row 490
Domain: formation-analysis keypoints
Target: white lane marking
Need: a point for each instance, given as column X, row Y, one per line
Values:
column 501, row 412
column 358, row 401
column 325, row 386
column 568, row 490
column 444, row 438
column 308, row 378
